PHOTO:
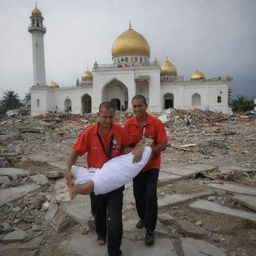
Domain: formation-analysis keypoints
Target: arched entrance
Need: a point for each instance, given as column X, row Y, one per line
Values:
column 196, row 100
column 86, row 101
column 116, row 103
column 168, row 101
column 117, row 93
column 68, row 105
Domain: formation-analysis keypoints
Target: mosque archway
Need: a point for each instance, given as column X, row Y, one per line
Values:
column 196, row 100
column 142, row 87
column 117, row 93
column 68, row 105
column 168, row 100
column 86, row 101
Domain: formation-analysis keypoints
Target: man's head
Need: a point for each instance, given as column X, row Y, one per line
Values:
column 106, row 115
column 139, row 105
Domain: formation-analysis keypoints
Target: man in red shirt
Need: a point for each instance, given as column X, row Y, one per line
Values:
column 101, row 142
column 145, row 183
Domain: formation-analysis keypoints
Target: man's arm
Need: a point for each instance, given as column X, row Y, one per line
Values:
column 159, row 147
column 72, row 160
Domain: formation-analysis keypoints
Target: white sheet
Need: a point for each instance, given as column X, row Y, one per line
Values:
column 113, row 174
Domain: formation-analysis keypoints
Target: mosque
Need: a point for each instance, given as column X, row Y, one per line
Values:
column 131, row 72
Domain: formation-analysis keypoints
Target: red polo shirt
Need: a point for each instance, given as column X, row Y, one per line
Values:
column 88, row 142
column 152, row 128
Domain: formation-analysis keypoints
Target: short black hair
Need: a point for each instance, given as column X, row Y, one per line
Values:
column 140, row 97
column 106, row 104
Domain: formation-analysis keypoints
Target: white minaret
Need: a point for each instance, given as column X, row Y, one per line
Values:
column 37, row 30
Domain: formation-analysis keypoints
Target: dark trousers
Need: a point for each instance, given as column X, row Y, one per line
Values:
column 145, row 193
column 107, row 210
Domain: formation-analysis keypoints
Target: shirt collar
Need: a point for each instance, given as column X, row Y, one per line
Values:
column 148, row 120
column 96, row 129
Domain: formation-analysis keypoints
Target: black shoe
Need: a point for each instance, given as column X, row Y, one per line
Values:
column 140, row 224
column 150, row 237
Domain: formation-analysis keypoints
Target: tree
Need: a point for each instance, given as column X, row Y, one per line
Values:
column 27, row 99
column 10, row 100
column 241, row 104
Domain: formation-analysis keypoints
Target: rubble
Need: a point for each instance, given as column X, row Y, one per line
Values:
column 210, row 156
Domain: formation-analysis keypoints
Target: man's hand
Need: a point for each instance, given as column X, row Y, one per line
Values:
column 72, row 191
column 69, row 179
column 137, row 152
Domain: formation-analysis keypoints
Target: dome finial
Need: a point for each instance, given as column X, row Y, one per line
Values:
column 130, row 25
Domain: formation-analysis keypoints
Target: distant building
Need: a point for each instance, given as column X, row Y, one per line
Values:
column 131, row 72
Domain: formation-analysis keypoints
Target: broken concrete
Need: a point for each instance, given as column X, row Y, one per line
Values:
column 190, row 229
column 207, row 206
column 80, row 244
column 15, row 236
column 175, row 199
column 53, row 208
column 235, row 188
column 193, row 247
column 13, row 172
column 61, row 191
column 190, row 170
column 166, row 218
column 248, row 201
column 79, row 208
column 10, row 194
column 167, row 178
column 60, row 222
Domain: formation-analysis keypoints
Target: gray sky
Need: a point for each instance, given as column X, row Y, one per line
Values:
column 216, row 36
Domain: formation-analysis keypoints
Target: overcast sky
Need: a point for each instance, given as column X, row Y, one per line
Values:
column 216, row 36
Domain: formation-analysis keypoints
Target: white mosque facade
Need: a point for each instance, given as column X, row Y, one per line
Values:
column 130, row 73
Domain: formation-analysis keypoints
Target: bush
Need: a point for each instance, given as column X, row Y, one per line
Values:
column 241, row 104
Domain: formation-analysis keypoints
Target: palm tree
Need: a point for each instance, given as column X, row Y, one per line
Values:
column 10, row 100
column 241, row 104
column 27, row 99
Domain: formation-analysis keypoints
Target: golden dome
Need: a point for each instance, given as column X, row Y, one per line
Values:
column 197, row 75
column 87, row 75
column 168, row 69
column 130, row 43
column 36, row 12
column 53, row 84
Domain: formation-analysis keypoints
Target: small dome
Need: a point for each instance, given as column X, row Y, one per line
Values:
column 197, row 75
column 130, row 43
column 36, row 12
column 87, row 75
column 168, row 69
column 53, row 84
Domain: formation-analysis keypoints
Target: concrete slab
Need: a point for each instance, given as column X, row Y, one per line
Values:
column 82, row 245
column 61, row 191
column 10, row 194
column 166, row 178
column 207, row 206
column 30, row 245
column 79, row 208
column 248, row 201
column 175, row 199
column 193, row 247
column 235, row 188
column 13, row 172
column 193, row 169
column 190, row 229
column 226, row 169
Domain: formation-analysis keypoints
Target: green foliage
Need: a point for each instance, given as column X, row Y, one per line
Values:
column 241, row 104
column 10, row 100
column 27, row 98
column 2, row 110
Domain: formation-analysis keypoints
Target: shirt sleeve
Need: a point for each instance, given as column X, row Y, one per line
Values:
column 161, row 133
column 81, row 145
column 127, row 139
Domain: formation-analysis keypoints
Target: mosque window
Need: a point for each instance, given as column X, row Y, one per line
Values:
column 132, row 58
column 140, row 59
column 38, row 103
column 126, row 58
column 122, row 59
column 219, row 99
column 135, row 58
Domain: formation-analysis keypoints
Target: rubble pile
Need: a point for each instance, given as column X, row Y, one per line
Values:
column 206, row 188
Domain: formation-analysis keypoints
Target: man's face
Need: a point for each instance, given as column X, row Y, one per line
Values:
column 139, row 107
column 106, row 117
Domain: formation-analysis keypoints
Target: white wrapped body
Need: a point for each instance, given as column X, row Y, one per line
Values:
column 113, row 174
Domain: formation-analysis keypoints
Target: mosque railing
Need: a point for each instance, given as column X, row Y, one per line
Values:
column 124, row 65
